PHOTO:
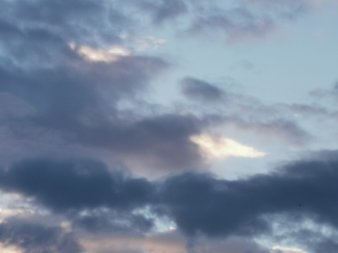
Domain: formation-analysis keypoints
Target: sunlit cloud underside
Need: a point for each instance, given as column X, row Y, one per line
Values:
column 220, row 148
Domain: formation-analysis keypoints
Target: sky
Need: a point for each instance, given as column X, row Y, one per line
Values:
column 168, row 126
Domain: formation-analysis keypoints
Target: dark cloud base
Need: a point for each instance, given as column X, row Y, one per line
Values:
column 198, row 203
column 37, row 238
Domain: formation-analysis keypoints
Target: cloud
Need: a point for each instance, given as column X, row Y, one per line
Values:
column 283, row 129
column 245, row 20
column 74, row 92
column 45, row 28
column 201, row 204
column 201, row 90
column 76, row 99
column 247, row 114
column 237, row 24
column 216, row 147
column 311, row 238
column 72, row 86
column 198, row 203
column 9, row 249
column 94, row 120
column 331, row 93
column 66, row 75
column 233, row 245
column 26, row 237
column 90, row 54
column 151, row 141
column 136, row 244
column 287, row 5
column 106, row 221
column 170, row 242
column 78, row 184
column 161, row 10
column 281, row 249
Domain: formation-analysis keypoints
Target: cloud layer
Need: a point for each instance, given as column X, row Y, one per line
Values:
column 112, row 140
column 199, row 204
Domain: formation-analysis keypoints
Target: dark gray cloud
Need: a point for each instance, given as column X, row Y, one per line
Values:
column 80, row 104
column 161, row 141
column 75, row 184
column 40, row 38
column 198, row 203
column 67, row 93
column 48, row 88
column 36, row 238
column 74, row 104
column 201, row 204
column 71, row 20
column 201, row 90
column 78, row 101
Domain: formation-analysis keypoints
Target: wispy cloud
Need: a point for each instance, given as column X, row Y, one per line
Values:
column 218, row 147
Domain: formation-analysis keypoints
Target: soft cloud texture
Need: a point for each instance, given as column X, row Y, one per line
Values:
column 116, row 128
column 216, row 147
column 29, row 237
column 197, row 203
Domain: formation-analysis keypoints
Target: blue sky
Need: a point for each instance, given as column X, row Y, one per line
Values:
column 168, row 126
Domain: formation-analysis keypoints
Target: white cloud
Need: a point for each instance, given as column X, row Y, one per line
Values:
column 91, row 54
column 214, row 147
column 281, row 249
column 9, row 249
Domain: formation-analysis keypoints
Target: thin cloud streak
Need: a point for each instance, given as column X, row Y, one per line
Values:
column 217, row 147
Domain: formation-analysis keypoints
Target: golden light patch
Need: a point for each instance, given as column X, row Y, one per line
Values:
column 10, row 212
column 9, row 249
column 91, row 54
column 281, row 249
column 222, row 148
column 145, row 244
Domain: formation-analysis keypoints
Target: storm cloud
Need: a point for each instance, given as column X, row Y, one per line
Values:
column 217, row 207
column 75, row 184
column 198, row 203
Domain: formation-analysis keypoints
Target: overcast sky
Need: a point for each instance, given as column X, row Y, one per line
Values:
column 168, row 126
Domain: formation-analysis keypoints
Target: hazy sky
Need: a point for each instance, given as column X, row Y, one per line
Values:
column 168, row 126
